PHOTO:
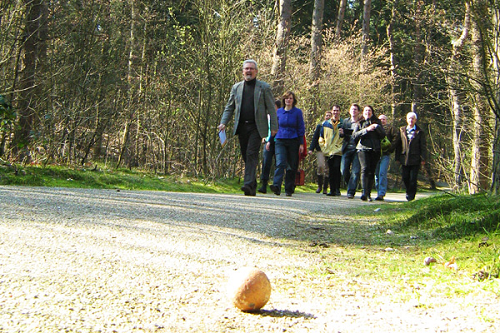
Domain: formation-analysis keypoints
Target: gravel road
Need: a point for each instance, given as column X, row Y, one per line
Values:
column 78, row 260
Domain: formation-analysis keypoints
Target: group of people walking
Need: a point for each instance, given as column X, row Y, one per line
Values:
column 354, row 149
column 364, row 152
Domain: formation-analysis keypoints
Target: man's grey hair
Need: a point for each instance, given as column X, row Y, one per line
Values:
column 409, row 114
column 250, row 61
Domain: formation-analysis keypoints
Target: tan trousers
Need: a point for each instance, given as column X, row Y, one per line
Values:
column 322, row 166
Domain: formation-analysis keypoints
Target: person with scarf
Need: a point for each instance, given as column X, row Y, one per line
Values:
column 368, row 134
column 331, row 145
column 411, row 152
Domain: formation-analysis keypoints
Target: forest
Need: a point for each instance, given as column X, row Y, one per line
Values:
column 143, row 83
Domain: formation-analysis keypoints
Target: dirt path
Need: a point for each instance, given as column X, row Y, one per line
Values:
column 106, row 261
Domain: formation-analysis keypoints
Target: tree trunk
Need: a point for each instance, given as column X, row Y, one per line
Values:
column 340, row 18
column 315, row 62
column 455, row 98
column 418, row 58
column 33, row 50
column 495, row 174
column 316, row 30
column 130, row 86
column 282, row 38
column 479, row 164
column 393, row 68
column 365, row 34
column 495, row 184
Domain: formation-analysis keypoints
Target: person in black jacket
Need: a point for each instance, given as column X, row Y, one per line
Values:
column 411, row 151
column 268, row 156
column 322, row 167
column 350, row 161
column 368, row 134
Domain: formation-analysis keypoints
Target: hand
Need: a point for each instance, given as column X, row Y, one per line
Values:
column 372, row 127
column 263, row 140
column 221, row 127
column 301, row 149
column 341, row 131
column 309, row 152
column 268, row 146
column 273, row 133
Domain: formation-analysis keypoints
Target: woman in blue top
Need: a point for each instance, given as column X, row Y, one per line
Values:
column 288, row 144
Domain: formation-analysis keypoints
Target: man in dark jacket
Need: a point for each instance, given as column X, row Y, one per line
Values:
column 411, row 152
column 350, row 162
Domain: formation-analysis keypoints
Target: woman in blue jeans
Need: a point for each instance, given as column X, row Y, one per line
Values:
column 368, row 134
column 288, row 144
column 383, row 163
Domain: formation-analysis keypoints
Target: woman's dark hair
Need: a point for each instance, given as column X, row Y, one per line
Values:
column 371, row 108
column 286, row 95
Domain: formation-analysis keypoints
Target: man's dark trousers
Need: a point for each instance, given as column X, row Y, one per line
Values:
column 410, row 177
column 250, row 142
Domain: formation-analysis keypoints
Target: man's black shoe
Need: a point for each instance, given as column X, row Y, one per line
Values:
column 263, row 188
column 248, row 190
column 276, row 190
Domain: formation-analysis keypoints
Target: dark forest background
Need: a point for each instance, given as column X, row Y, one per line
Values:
column 142, row 84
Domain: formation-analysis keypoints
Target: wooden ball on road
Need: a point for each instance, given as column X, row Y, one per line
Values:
column 249, row 289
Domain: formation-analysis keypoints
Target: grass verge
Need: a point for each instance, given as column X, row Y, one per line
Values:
column 389, row 242
column 106, row 178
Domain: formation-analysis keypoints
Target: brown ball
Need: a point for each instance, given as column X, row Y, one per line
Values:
column 249, row 289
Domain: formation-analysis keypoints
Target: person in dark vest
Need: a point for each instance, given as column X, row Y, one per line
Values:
column 250, row 101
column 322, row 166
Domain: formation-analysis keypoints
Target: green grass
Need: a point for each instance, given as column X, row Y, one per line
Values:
column 107, row 178
column 466, row 227
column 57, row 176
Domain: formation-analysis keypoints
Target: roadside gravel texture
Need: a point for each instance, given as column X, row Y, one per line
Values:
column 78, row 260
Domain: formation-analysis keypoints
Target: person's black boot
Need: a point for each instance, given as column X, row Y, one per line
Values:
column 276, row 190
column 326, row 182
column 263, row 187
column 320, row 184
